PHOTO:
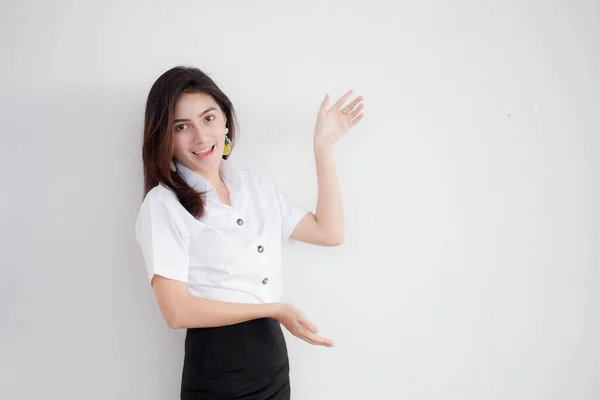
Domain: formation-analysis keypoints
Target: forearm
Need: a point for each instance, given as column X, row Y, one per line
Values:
column 196, row 312
column 329, row 213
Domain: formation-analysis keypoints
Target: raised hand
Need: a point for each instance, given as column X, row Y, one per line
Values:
column 334, row 122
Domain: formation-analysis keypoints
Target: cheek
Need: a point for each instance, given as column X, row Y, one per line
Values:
column 220, row 138
column 180, row 144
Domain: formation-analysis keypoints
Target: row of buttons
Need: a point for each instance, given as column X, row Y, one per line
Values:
column 260, row 249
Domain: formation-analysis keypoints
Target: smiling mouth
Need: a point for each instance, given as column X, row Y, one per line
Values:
column 204, row 153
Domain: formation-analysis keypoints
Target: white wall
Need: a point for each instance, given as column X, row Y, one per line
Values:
column 470, row 269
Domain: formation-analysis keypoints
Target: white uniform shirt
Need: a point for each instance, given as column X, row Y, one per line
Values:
column 233, row 253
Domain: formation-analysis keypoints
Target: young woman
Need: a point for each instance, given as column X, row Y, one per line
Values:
column 211, row 237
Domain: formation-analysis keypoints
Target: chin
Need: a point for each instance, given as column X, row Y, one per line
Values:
column 206, row 164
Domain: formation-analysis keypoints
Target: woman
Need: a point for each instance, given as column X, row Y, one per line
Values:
column 211, row 237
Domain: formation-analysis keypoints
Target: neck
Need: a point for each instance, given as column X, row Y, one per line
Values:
column 213, row 178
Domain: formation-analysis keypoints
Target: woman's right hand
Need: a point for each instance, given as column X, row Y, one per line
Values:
column 296, row 322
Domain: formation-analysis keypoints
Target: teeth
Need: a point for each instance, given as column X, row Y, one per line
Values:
column 201, row 153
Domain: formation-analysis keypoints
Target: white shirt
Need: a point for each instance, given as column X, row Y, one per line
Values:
column 233, row 253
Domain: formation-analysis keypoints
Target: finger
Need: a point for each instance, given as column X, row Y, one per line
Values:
column 318, row 340
column 309, row 340
column 355, row 121
column 342, row 101
column 355, row 112
column 353, row 104
column 325, row 102
column 312, row 338
column 307, row 324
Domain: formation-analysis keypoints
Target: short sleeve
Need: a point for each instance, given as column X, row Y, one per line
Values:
column 291, row 213
column 163, row 239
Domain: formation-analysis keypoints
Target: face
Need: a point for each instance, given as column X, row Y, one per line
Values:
column 198, row 133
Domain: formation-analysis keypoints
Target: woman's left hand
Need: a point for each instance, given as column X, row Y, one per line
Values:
column 332, row 123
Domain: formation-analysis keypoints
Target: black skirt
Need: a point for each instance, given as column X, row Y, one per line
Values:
column 243, row 361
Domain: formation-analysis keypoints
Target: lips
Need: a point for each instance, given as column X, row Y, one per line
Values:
column 204, row 153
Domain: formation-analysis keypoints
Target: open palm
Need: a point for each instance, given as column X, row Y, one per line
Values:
column 332, row 123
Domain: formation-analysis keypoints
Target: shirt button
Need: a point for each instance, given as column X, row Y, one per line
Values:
column 265, row 281
column 240, row 222
column 260, row 249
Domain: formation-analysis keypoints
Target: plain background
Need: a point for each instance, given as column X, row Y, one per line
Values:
column 470, row 266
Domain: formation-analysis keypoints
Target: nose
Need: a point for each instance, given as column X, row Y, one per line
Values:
column 200, row 134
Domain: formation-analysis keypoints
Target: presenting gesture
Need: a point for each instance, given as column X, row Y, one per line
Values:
column 334, row 122
column 300, row 326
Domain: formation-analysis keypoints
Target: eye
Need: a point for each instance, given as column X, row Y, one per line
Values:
column 180, row 127
column 212, row 117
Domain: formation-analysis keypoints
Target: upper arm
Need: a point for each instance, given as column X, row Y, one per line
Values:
column 309, row 231
column 299, row 224
column 163, row 238
column 170, row 295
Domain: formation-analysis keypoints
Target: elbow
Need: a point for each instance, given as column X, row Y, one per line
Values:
column 173, row 321
column 173, row 301
column 175, row 318
column 335, row 240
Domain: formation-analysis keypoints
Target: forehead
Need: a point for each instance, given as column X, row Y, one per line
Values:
column 190, row 104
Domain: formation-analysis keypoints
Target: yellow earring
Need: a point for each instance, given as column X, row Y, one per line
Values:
column 227, row 147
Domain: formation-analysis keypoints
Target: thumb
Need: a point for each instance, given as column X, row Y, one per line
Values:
column 325, row 103
column 309, row 325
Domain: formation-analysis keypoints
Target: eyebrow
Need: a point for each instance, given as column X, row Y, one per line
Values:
column 199, row 116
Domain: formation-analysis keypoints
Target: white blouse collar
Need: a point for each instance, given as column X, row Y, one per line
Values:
column 229, row 174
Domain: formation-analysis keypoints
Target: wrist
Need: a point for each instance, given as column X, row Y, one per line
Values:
column 321, row 146
column 274, row 311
